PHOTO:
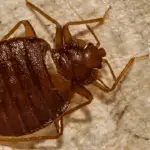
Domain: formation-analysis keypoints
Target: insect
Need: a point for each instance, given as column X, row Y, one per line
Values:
column 33, row 94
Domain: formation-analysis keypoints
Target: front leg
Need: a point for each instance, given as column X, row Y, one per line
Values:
column 81, row 90
column 67, row 35
column 100, row 84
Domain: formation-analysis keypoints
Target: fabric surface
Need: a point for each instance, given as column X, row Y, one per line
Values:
column 119, row 120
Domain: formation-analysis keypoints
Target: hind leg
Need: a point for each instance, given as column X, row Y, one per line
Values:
column 29, row 31
column 59, row 130
column 59, row 36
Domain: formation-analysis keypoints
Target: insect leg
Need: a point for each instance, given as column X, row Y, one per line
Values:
column 59, row 129
column 29, row 31
column 99, row 83
column 67, row 34
column 110, row 68
column 89, row 28
column 81, row 90
column 59, row 37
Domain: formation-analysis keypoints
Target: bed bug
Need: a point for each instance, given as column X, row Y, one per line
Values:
column 33, row 94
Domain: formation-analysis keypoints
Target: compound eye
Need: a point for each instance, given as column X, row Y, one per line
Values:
column 102, row 52
column 90, row 46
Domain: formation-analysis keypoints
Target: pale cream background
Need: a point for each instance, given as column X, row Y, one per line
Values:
column 125, row 34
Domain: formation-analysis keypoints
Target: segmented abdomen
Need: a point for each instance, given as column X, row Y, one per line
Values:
column 27, row 99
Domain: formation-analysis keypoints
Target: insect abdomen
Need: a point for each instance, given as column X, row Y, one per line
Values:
column 27, row 101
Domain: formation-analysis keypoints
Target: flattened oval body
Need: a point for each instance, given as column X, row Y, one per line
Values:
column 28, row 101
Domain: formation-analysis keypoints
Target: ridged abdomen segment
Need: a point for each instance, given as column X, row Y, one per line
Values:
column 27, row 101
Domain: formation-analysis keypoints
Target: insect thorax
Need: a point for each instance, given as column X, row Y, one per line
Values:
column 70, row 63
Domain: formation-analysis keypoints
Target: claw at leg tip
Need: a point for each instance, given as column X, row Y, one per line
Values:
column 147, row 56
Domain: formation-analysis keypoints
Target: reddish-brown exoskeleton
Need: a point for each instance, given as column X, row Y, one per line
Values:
column 33, row 94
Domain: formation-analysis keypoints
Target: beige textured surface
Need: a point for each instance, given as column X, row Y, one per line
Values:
column 125, row 34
